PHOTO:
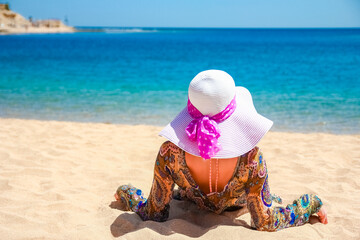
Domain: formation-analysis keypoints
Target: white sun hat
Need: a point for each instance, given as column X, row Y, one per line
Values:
column 211, row 92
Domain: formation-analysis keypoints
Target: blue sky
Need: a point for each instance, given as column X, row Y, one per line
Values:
column 195, row 13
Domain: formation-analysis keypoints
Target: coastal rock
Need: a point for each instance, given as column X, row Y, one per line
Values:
column 12, row 22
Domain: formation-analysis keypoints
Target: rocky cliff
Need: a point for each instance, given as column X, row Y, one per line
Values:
column 12, row 22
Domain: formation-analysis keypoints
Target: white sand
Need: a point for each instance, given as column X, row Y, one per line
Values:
column 57, row 181
column 37, row 30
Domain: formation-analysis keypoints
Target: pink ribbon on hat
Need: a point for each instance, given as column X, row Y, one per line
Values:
column 205, row 129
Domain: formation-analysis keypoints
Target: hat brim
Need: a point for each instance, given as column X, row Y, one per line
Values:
column 240, row 133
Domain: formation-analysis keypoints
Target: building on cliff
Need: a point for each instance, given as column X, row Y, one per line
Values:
column 12, row 22
column 4, row 6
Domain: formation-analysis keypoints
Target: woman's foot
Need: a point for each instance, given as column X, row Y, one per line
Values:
column 322, row 213
column 130, row 196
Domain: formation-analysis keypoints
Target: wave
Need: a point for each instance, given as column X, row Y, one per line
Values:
column 126, row 30
column 115, row 30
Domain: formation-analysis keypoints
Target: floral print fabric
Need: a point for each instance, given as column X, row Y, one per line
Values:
column 248, row 187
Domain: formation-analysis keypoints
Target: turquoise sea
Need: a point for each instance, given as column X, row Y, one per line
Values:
column 305, row 80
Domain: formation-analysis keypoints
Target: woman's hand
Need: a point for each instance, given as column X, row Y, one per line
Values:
column 323, row 215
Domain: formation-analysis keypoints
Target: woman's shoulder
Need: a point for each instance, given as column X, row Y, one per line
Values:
column 169, row 148
column 256, row 163
column 253, row 152
column 255, row 155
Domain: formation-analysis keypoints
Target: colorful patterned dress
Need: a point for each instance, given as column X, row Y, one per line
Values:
column 247, row 187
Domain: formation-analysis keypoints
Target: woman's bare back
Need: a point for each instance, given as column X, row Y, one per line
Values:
column 222, row 170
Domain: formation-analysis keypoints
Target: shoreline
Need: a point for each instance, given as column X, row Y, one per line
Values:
column 58, row 179
column 38, row 31
column 356, row 134
column 112, row 29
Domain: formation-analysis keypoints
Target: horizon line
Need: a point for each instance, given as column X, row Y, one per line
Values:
column 223, row 27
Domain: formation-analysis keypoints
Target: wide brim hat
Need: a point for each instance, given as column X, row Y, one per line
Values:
column 240, row 132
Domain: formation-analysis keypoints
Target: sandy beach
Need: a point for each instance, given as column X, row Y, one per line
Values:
column 57, row 181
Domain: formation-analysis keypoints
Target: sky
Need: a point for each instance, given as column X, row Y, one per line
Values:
column 196, row 13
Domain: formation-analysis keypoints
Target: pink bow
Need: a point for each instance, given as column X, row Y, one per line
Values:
column 205, row 129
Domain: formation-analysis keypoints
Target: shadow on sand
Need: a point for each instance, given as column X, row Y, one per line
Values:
column 184, row 219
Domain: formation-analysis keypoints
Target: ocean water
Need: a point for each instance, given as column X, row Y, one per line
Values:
column 305, row 80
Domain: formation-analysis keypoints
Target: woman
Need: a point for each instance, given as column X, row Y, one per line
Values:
column 212, row 156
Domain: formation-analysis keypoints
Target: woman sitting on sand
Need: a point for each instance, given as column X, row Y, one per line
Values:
column 213, row 158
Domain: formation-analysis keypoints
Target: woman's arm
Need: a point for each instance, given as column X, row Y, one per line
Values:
column 156, row 207
column 264, row 215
